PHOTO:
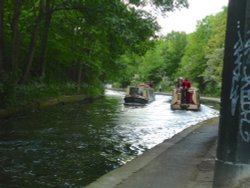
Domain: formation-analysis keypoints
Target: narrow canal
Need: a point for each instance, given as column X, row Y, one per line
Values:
column 72, row 145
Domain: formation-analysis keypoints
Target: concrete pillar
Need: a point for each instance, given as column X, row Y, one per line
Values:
column 233, row 152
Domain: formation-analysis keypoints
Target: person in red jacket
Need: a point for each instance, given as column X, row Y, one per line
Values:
column 185, row 86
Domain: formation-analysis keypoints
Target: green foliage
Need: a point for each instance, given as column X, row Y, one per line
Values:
column 127, row 70
column 85, row 39
column 194, row 62
column 151, row 67
column 35, row 92
column 163, row 5
column 161, row 62
column 7, row 89
column 86, row 43
column 174, row 52
column 197, row 56
column 202, row 62
column 212, row 74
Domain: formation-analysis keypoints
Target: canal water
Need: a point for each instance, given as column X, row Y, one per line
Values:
column 72, row 145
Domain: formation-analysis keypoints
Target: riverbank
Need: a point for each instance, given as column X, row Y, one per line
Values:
column 37, row 105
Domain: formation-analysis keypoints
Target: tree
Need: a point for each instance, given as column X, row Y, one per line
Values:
column 176, row 43
column 202, row 62
column 15, row 35
column 39, row 41
column 215, row 52
column 193, row 62
column 163, row 5
column 49, row 9
column 34, row 39
column 162, row 61
column 1, row 36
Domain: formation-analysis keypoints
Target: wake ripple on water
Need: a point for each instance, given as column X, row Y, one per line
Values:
column 145, row 127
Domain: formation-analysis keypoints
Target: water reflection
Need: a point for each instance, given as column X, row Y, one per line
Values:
column 72, row 145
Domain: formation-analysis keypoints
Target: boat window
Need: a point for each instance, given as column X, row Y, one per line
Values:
column 133, row 91
column 141, row 92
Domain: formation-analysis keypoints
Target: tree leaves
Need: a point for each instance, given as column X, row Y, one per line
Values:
column 197, row 56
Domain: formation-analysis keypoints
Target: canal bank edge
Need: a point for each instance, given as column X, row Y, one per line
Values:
column 37, row 105
column 115, row 177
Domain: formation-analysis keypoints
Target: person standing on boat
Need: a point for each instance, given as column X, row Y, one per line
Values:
column 179, row 84
column 185, row 86
column 150, row 84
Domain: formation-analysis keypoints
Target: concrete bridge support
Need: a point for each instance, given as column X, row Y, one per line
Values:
column 232, row 168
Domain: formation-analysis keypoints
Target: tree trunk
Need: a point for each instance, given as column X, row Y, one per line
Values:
column 79, row 79
column 1, row 36
column 45, row 35
column 15, row 37
column 34, row 36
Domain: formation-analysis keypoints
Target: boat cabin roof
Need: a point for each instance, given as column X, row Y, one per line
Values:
column 138, row 89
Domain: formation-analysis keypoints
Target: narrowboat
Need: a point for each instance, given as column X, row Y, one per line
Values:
column 139, row 95
column 185, row 101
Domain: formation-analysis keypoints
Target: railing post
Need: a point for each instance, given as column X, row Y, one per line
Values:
column 233, row 151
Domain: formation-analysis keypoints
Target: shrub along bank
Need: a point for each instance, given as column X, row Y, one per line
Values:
column 37, row 96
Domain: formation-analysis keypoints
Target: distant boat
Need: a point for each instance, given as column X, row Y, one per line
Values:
column 191, row 102
column 139, row 95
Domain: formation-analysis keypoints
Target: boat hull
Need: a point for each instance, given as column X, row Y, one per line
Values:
column 193, row 100
column 139, row 95
column 135, row 100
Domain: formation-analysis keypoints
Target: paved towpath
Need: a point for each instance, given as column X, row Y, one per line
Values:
column 184, row 161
